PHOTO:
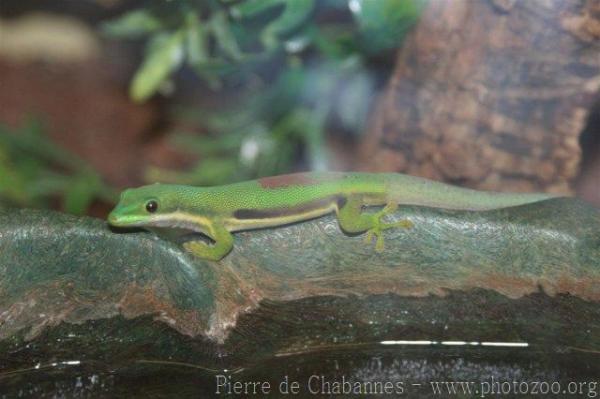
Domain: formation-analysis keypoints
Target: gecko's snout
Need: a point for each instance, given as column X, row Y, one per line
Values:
column 125, row 216
column 113, row 219
column 118, row 216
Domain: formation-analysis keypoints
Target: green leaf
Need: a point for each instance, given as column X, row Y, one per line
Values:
column 164, row 56
column 198, row 56
column 224, row 36
column 34, row 171
column 12, row 184
column 196, row 40
column 294, row 14
column 384, row 23
column 133, row 24
column 80, row 194
column 251, row 8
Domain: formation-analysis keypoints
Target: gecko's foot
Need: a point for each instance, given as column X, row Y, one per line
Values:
column 377, row 234
column 377, row 230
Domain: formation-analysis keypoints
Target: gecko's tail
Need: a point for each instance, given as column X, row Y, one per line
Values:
column 419, row 191
column 495, row 200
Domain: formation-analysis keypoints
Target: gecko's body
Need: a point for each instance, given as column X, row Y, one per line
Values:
column 275, row 201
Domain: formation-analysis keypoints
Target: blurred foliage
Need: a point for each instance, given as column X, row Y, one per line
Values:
column 289, row 67
column 34, row 172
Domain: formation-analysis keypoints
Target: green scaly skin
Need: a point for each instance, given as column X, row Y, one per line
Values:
column 274, row 201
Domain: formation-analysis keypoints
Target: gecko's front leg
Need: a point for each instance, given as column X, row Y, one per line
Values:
column 352, row 219
column 223, row 243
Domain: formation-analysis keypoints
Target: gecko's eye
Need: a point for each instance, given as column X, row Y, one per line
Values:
column 151, row 206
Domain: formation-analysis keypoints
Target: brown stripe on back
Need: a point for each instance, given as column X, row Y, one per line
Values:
column 281, row 212
column 294, row 179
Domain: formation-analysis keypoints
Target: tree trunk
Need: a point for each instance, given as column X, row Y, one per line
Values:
column 491, row 94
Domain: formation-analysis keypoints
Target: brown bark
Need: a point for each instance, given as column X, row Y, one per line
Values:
column 491, row 94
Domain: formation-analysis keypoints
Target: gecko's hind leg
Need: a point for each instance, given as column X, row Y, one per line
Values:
column 353, row 220
column 379, row 226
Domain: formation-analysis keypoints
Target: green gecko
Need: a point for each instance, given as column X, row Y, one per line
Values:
column 274, row 201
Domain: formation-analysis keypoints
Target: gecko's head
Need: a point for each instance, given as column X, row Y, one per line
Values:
column 145, row 206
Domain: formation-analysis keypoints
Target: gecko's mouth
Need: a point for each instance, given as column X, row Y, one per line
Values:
column 113, row 219
column 166, row 226
column 117, row 220
column 120, row 219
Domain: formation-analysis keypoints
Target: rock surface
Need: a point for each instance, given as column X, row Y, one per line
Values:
column 129, row 312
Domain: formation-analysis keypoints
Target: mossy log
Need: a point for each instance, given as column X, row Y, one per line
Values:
column 71, row 288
